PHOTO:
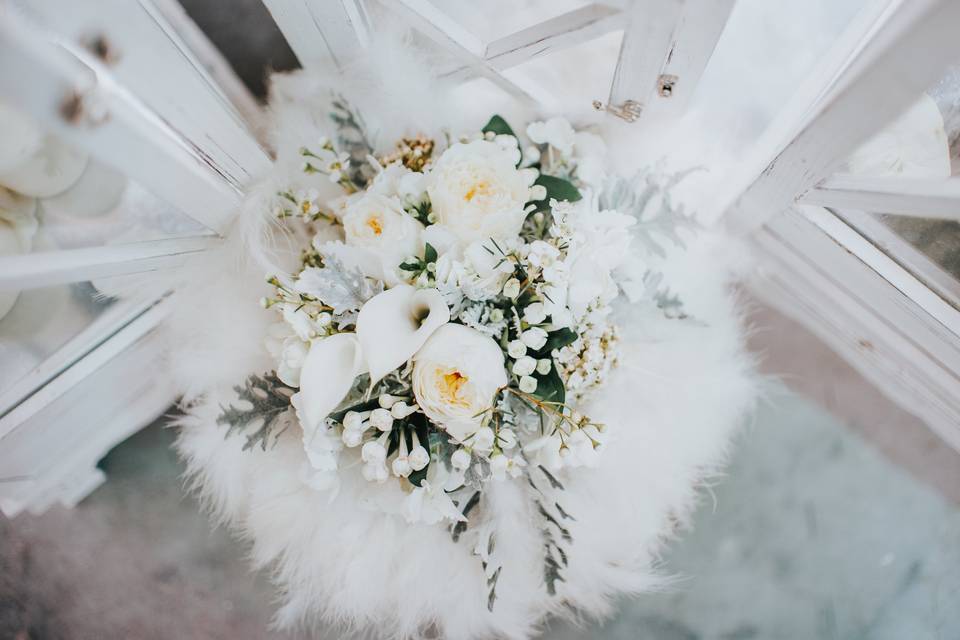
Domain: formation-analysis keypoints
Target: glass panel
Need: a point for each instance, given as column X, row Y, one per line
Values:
column 40, row 322
column 922, row 143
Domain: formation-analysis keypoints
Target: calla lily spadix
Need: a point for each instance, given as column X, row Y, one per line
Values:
column 391, row 328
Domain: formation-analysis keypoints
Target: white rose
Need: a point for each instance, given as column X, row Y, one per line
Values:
column 380, row 225
column 477, row 191
column 455, row 376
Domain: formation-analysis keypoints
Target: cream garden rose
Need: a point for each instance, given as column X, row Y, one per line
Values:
column 455, row 376
column 477, row 192
column 379, row 225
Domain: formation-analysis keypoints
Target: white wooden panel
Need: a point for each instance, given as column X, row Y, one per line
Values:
column 913, row 43
column 886, row 267
column 212, row 62
column 557, row 33
column 147, row 56
column 321, row 31
column 913, row 197
column 459, row 42
column 903, row 253
column 647, row 41
column 665, row 50
column 883, row 333
column 96, row 114
column 47, row 268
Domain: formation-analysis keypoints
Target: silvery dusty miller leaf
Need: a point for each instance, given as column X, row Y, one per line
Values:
column 343, row 289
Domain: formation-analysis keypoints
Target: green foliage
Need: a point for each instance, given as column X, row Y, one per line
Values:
column 559, row 339
column 550, row 386
column 461, row 526
column 498, row 126
column 269, row 400
column 352, row 138
column 557, row 189
column 422, row 212
column 429, row 253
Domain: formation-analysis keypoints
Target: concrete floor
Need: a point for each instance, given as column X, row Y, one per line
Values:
column 823, row 528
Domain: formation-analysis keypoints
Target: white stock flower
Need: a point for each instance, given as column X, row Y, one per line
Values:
column 477, row 191
column 455, row 376
column 460, row 459
column 430, row 503
column 380, row 225
column 512, row 288
column 289, row 352
column 556, row 132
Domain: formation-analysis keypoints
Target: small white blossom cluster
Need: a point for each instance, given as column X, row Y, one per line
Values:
column 455, row 304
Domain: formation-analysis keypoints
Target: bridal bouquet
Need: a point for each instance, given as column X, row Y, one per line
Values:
column 486, row 374
column 453, row 305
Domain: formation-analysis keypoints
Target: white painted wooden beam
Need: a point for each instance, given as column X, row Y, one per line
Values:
column 557, row 33
column 133, row 41
column 214, row 64
column 895, row 246
column 914, row 197
column 322, row 31
column 647, row 41
column 459, row 42
column 912, row 43
column 33, row 270
column 666, row 47
column 93, row 112
column 868, row 313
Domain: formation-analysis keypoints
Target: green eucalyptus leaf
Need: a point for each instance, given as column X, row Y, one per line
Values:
column 557, row 189
column 498, row 126
column 337, row 416
column 429, row 254
column 550, row 386
column 559, row 339
column 416, row 478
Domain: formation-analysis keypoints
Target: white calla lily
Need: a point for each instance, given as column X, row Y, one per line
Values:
column 325, row 379
column 393, row 325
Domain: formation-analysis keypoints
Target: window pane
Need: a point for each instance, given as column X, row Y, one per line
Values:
column 41, row 322
column 922, row 143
